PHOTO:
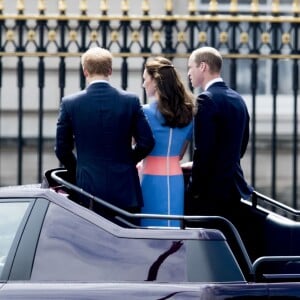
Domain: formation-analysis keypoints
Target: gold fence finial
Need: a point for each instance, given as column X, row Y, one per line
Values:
column 41, row 5
column 254, row 6
column 145, row 6
column 233, row 6
column 83, row 6
column 62, row 6
column 192, row 6
column 169, row 5
column 124, row 6
column 296, row 6
column 275, row 6
column 213, row 6
column 20, row 5
column 104, row 6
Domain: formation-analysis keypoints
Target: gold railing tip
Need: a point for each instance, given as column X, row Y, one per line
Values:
column 169, row 6
column 41, row 5
column 145, row 6
column 275, row 6
column 213, row 6
column 104, row 5
column 83, row 6
column 124, row 6
column 233, row 6
column 192, row 6
column 254, row 6
column 62, row 6
column 296, row 6
column 20, row 5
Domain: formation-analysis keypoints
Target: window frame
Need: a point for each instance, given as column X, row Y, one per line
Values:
column 20, row 258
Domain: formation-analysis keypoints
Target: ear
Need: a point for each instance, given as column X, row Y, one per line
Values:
column 202, row 66
column 85, row 73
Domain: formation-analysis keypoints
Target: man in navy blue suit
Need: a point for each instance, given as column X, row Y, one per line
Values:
column 95, row 131
column 221, row 136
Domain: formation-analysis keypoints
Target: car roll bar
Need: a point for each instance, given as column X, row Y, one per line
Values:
column 256, row 196
column 217, row 220
column 54, row 175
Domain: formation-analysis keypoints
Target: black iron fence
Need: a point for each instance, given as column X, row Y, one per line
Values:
column 40, row 63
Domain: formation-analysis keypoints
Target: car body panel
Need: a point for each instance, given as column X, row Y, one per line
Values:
column 62, row 250
column 132, row 291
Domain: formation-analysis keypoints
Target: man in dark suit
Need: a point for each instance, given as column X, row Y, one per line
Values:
column 101, row 122
column 221, row 136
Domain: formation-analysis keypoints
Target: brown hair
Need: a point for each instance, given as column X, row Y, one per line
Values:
column 97, row 61
column 175, row 102
column 210, row 56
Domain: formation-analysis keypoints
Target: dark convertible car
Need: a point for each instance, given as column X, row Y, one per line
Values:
column 53, row 248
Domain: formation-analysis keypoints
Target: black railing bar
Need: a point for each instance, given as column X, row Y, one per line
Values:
column 276, row 258
column 277, row 204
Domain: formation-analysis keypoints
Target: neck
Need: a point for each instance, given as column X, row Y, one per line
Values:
column 209, row 78
column 89, row 79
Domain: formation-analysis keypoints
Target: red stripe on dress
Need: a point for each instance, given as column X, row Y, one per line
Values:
column 162, row 165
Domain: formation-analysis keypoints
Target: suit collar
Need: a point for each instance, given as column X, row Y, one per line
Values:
column 219, row 79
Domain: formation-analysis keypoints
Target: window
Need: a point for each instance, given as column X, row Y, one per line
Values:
column 71, row 248
column 11, row 215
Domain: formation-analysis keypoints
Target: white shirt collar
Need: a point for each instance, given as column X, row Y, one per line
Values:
column 218, row 79
column 98, row 81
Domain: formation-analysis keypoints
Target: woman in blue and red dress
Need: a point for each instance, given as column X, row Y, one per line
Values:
column 170, row 115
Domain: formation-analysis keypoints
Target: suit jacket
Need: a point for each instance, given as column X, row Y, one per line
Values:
column 221, row 138
column 94, row 135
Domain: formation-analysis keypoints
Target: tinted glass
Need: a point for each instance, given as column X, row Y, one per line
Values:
column 211, row 261
column 11, row 215
column 73, row 249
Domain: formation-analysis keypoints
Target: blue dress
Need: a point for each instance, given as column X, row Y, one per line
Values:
column 161, row 175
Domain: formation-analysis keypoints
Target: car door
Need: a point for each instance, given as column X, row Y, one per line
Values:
column 20, row 223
